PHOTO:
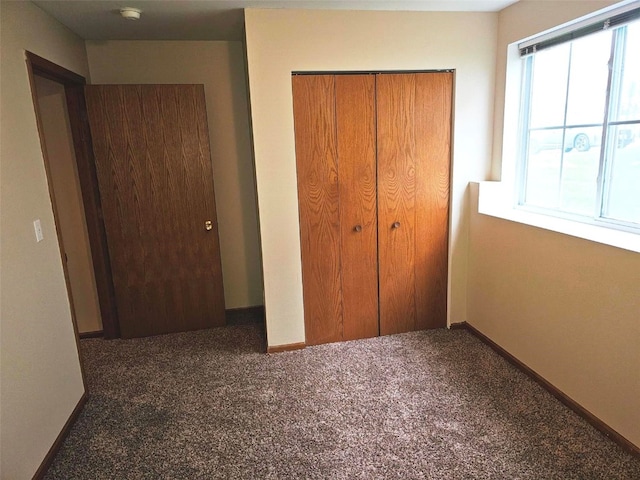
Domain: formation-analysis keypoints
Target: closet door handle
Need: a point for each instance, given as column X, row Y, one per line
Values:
column 395, row 225
column 357, row 228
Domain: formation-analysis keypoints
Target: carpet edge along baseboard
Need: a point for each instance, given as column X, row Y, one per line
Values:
column 286, row 347
column 596, row 422
column 93, row 334
column 64, row 433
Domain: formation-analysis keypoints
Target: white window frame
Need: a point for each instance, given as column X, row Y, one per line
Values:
column 500, row 198
column 527, row 66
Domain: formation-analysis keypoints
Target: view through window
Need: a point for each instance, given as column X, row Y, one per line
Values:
column 581, row 128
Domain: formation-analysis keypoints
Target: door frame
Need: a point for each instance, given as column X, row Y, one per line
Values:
column 85, row 161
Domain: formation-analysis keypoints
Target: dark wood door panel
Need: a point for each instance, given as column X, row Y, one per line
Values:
column 318, row 199
column 156, row 182
column 356, row 137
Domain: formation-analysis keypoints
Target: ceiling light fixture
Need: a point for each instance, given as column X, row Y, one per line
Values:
column 130, row 13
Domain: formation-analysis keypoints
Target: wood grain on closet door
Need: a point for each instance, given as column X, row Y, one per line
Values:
column 433, row 154
column 318, row 200
column 155, row 178
column 396, row 98
column 356, row 137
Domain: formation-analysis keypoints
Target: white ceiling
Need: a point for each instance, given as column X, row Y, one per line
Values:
column 213, row 19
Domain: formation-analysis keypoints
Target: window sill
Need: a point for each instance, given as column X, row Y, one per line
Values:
column 493, row 200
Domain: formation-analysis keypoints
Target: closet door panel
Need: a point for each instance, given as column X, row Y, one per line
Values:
column 396, row 96
column 433, row 143
column 318, row 198
column 355, row 112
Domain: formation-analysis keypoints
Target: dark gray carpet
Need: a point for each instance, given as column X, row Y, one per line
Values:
column 428, row 405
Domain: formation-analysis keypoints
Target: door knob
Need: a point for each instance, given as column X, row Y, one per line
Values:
column 208, row 225
column 358, row 228
column 395, row 225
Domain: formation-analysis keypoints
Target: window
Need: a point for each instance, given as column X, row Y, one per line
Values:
column 580, row 124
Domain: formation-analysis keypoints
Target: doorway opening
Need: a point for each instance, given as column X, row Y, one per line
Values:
column 59, row 104
column 67, row 203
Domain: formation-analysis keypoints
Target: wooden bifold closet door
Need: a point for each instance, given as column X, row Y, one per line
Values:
column 373, row 161
column 335, row 117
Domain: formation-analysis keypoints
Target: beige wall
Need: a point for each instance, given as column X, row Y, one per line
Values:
column 568, row 308
column 282, row 41
column 68, row 200
column 40, row 380
column 220, row 67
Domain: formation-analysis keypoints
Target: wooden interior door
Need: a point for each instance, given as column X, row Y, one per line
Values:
column 318, row 199
column 414, row 135
column 373, row 160
column 434, row 94
column 396, row 202
column 356, row 136
column 336, row 164
column 155, row 178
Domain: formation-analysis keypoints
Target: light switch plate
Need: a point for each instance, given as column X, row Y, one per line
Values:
column 38, row 228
